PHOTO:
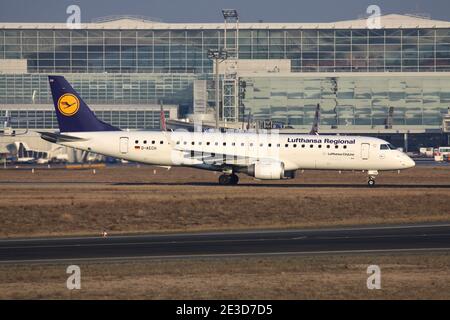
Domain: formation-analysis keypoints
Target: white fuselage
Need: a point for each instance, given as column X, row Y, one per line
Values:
column 214, row 151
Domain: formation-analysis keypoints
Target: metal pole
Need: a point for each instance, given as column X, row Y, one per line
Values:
column 405, row 144
column 217, row 93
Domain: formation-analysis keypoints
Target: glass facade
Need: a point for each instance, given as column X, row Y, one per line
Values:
column 101, row 88
column 360, row 77
column 185, row 51
column 414, row 101
column 131, row 118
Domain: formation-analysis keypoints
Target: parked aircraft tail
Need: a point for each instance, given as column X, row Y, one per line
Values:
column 162, row 115
column 315, row 126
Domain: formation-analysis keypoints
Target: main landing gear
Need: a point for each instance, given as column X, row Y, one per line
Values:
column 372, row 175
column 228, row 179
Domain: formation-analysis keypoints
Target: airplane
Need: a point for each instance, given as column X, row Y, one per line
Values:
column 7, row 130
column 265, row 155
column 24, row 154
column 27, row 155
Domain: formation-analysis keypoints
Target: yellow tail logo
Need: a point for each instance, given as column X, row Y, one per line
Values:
column 68, row 104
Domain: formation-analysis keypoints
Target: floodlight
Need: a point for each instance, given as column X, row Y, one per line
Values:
column 229, row 13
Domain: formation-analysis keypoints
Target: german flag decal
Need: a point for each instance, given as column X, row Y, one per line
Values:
column 137, row 147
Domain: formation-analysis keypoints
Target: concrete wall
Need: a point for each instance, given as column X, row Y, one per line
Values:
column 10, row 66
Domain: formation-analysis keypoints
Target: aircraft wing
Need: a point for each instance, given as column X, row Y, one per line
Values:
column 220, row 158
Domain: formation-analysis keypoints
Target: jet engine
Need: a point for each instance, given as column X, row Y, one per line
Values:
column 267, row 170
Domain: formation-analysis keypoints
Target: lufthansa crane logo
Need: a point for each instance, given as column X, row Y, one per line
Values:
column 68, row 104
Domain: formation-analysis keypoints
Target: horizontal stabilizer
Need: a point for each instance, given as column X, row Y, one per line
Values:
column 57, row 138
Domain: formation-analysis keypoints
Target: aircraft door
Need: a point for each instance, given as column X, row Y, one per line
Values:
column 123, row 145
column 365, row 147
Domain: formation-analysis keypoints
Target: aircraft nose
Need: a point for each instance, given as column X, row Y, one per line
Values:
column 407, row 162
column 411, row 163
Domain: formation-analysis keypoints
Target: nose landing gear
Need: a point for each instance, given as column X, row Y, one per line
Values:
column 372, row 175
column 228, row 179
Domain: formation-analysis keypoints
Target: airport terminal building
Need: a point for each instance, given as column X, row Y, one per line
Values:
column 393, row 81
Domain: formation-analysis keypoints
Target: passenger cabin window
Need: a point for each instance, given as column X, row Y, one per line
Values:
column 137, row 141
column 145, row 141
column 161, row 142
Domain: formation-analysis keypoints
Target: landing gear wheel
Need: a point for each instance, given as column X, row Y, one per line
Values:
column 224, row 179
column 371, row 182
column 234, row 179
column 228, row 179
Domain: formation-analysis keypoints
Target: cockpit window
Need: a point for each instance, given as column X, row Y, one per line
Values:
column 387, row 147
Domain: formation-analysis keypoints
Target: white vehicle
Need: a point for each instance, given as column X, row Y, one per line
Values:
column 426, row 152
column 441, row 153
column 261, row 155
column 60, row 157
column 42, row 161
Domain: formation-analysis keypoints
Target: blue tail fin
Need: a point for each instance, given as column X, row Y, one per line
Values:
column 72, row 113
